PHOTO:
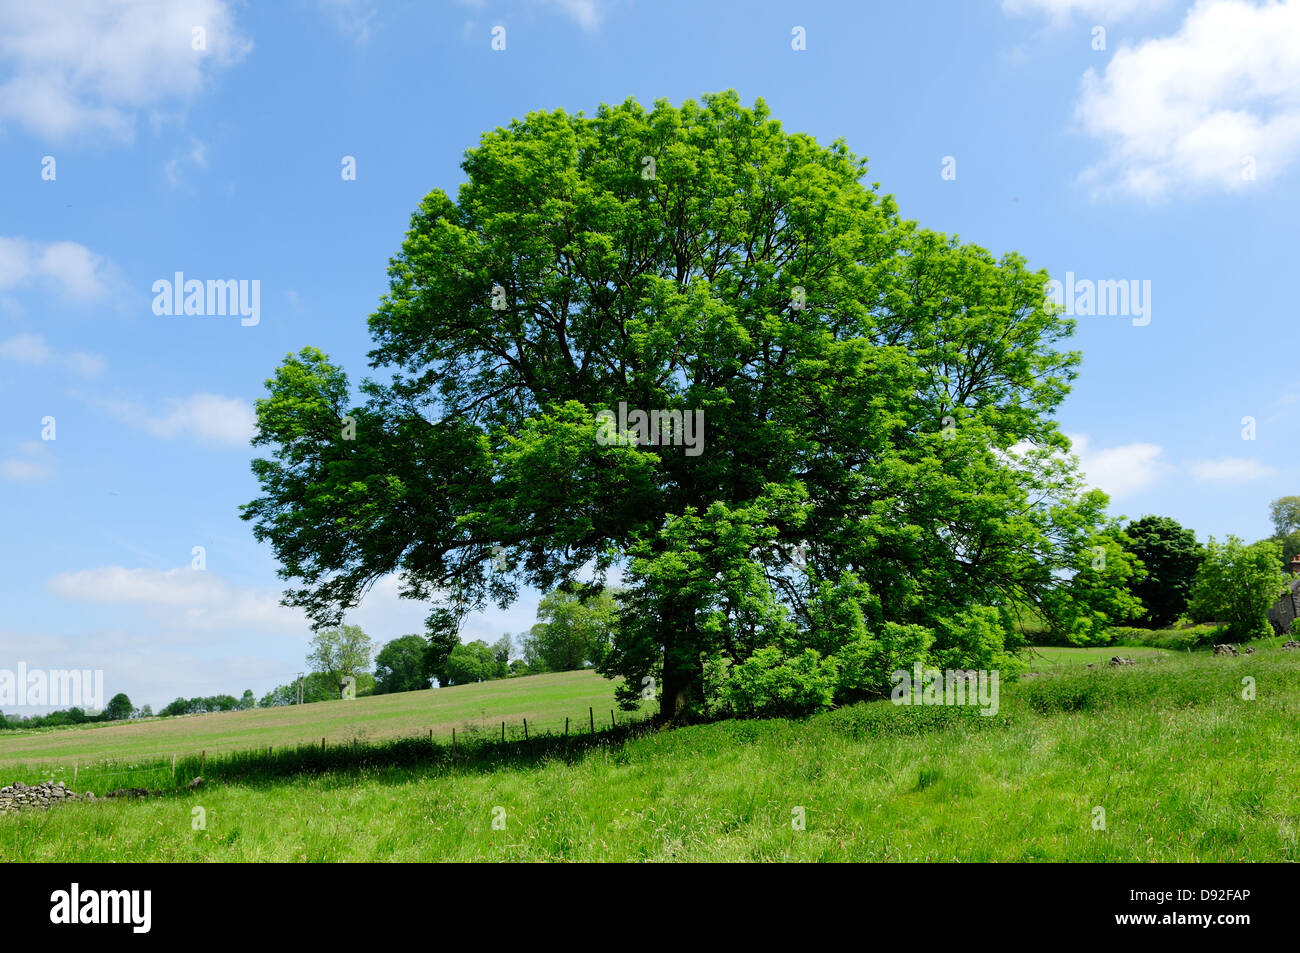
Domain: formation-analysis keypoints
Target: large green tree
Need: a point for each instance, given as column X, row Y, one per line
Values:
column 1170, row 556
column 1238, row 584
column 472, row 662
column 400, row 665
column 1285, row 514
column 571, row 631
column 119, row 707
column 877, row 448
column 340, row 653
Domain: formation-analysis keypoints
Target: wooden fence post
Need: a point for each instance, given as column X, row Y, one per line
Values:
column 322, row 746
column 591, row 714
column 268, row 752
column 525, row 729
column 566, row 726
column 503, row 732
column 612, row 722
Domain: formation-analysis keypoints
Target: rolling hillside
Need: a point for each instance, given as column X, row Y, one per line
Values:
column 545, row 700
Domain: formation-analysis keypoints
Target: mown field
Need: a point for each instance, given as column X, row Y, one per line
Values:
column 545, row 700
column 1183, row 766
column 1045, row 658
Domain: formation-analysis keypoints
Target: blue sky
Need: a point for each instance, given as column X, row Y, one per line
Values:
column 1170, row 156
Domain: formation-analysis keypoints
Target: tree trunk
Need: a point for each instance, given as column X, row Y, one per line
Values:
column 683, row 676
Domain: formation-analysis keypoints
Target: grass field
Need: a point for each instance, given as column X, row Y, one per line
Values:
column 1046, row 658
column 545, row 700
column 1183, row 766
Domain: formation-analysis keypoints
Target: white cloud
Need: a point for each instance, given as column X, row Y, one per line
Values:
column 194, row 600
column 87, row 67
column 196, row 156
column 385, row 615
column 1231, row 470
column 207, row 418
column 586, row 13
column 31, row 465
column 182, row 613
column 26, row 349
column 84, row 364
column 74, row 270
column 192, row 632
column 33, row 350
column 151, row 668
column 1120, row 471
column 1062, row 11
column 1205, row 108
column 181, row 598
column 351, row 17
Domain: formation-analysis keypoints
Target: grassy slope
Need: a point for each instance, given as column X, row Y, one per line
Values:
column 1183, row 766
column 1046, row 658
column 545, row 700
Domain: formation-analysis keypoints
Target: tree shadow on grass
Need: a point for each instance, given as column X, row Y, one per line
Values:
column 422, row 756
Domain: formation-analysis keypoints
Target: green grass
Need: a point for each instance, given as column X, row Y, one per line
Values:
column 1183, row 766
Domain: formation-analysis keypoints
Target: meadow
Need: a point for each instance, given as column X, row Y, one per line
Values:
column 1171, row 759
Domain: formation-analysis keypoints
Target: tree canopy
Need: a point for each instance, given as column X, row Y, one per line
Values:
column 472, row 662
column 1285, row 514
column 400, row 665
column 571, row 632
column 878, row 455
column 119, row 707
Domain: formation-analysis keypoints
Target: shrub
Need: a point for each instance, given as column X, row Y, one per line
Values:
column 975, row 638
column 1179, row 639
column 770, row 682
column 864, row 664
column 1238, row 584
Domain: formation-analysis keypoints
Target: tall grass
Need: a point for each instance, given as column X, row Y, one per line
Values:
column 1184, row 767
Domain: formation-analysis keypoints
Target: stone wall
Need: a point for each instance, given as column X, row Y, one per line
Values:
column 17, row 796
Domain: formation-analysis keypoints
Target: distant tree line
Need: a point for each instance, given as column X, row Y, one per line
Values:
column 119, row 708
column 573, row 631
column 208, row 703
